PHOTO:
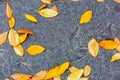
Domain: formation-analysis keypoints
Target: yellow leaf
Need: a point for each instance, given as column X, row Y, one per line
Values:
column 72, row 69
column 100, row 0
column 75, row 75
column 3, row 37
column 23, row 37
column 52, row 72
column 57, row 78
column 86, row 17
column 48, row 13
column 9, row 12
column 54, row 8
column 11, row 22
column 87, row 70
column 84, row 78
column 13, row 37
column 35, row 49
column 42, row 6
column 115, row 57
column 46, row 1
column 30, row 18
column 19, row 50
column 93, row 47
column 108, row 44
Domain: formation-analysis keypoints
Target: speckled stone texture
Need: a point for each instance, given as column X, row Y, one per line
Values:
column 64, row 38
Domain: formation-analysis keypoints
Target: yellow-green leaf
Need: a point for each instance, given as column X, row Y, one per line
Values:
column 86, row 17
column 93, row 47
column 87, row 70
column 115, row 57
column 35, row 49
column 23, row 37
column 19, row 50
column 30, row 18
column 3, row 37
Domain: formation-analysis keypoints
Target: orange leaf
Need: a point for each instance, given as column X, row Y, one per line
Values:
column 23, row 37
column 11, row 22
column 25, row 31
column 3, row 37
column 117, row 1
column 9, row 12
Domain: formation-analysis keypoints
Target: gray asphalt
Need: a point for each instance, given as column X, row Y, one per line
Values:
column 64, row 38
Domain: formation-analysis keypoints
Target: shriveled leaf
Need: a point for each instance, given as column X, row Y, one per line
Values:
column 19, row 50
column 13, row 37
column 52, row 72
column 116, row 40
column 108, row 44
column 86, row 17
column 25, row 31
column 57, row 78
column 48, row 13
column 35, row 49
column 9, row 12
column 115, row 57
column 42, row 7
column 23, row 37
column 30, row 18
column 11, row 22
column 75, row 75
column 84, row 78
column 100, row 0
column 72, row 69
column 87, row 70
column 93, row 47
column 117, row 1
column 3, row 37
column 54, row 8
column 46, row 1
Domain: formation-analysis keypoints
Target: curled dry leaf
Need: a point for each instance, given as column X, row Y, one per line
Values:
column 13, row 37
column 30, row 18
column 19, row 50
column 11, row 22
column 72, row 69
column 84, row 78
column 35, row 49
column 93, row 47
column 87, row 70
column 3, row 37
column 117, row 1
column 54, row 8
column 108, row 44
column 57, row 78
column 42, row 7
column 9, row 12
column 48, row 13
column 25, row 31
column 115, row 57
column 86, row 17
column 75, row 75
column 23, row 37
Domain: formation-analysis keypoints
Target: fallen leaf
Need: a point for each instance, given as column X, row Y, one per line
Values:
column 7, row 79
column 54, row 8
column 100, row 0
column 108, row 44
column 87, row 70
column 30, row 18
column 3, row 37
column 72, row 69
column 6, row 0
column 86, row 17
column 11, row 22
column 35, row 49
column 42, row 7
column 23, row 37
column 9, row 12
column 116, row 40
column 84, row 78
column 13, row 37
column 19, row 50
column 75, row 75
column 118, row 48
column 25, row 31
column 115, row 57
column 117, row 1
column 47, row 1
column 74, row 0
column 48, row 13
column 93, row 47
column 57, row 78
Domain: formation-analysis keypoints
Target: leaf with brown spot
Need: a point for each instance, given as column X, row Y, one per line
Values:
column 23, row 37
column 25, row 31
column 9, row 12
column 3, row 37
column 19, row 50
column 11, row 22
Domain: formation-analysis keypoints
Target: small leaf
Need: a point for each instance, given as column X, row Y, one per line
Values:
column 116, row 40
column 35, row 49
column 100, row 0
column 87, row 70
column 93, row 47
column 7, row 79
column 86, row 17
column 118, row 48
column 3, row 37
column 19, row 50
column 9, row 12
column 11, row 22
column 108, row 44
column 25, row 31
column 84, row 78
column 13, row 37
column 42, row 7
column 46, row 1
column 57, row 78
column 30, row 18
column 23, row 37
column 72, row 69
column 115, row 57
column 54, row 8
column 48, row 13
column 117, row 1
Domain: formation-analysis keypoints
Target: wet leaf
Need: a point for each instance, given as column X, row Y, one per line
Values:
column 3, row 37
column 42, row 7
column 11, row 22
column 25, row 31
column 9, row 12
column 30, row 18
column 13, row 37
column 54, row 8
column 87, row 70
column 115, row 57
column 23, row 37
column 84, row 78
column 19, row 50
column 72, row 69
column 93, row 47
column 86, row 17
column 46, row 1
column 35, row 49
column 48, row 13
column 75, row 75
column 117, row 1
column 57, row 78
column 108, row 44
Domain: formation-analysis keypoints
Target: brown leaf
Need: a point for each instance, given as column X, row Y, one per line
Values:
column 3, row 37
column 19, row 50
column 9, row 12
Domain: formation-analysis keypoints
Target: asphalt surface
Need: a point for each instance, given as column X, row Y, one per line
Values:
column 63, row 37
